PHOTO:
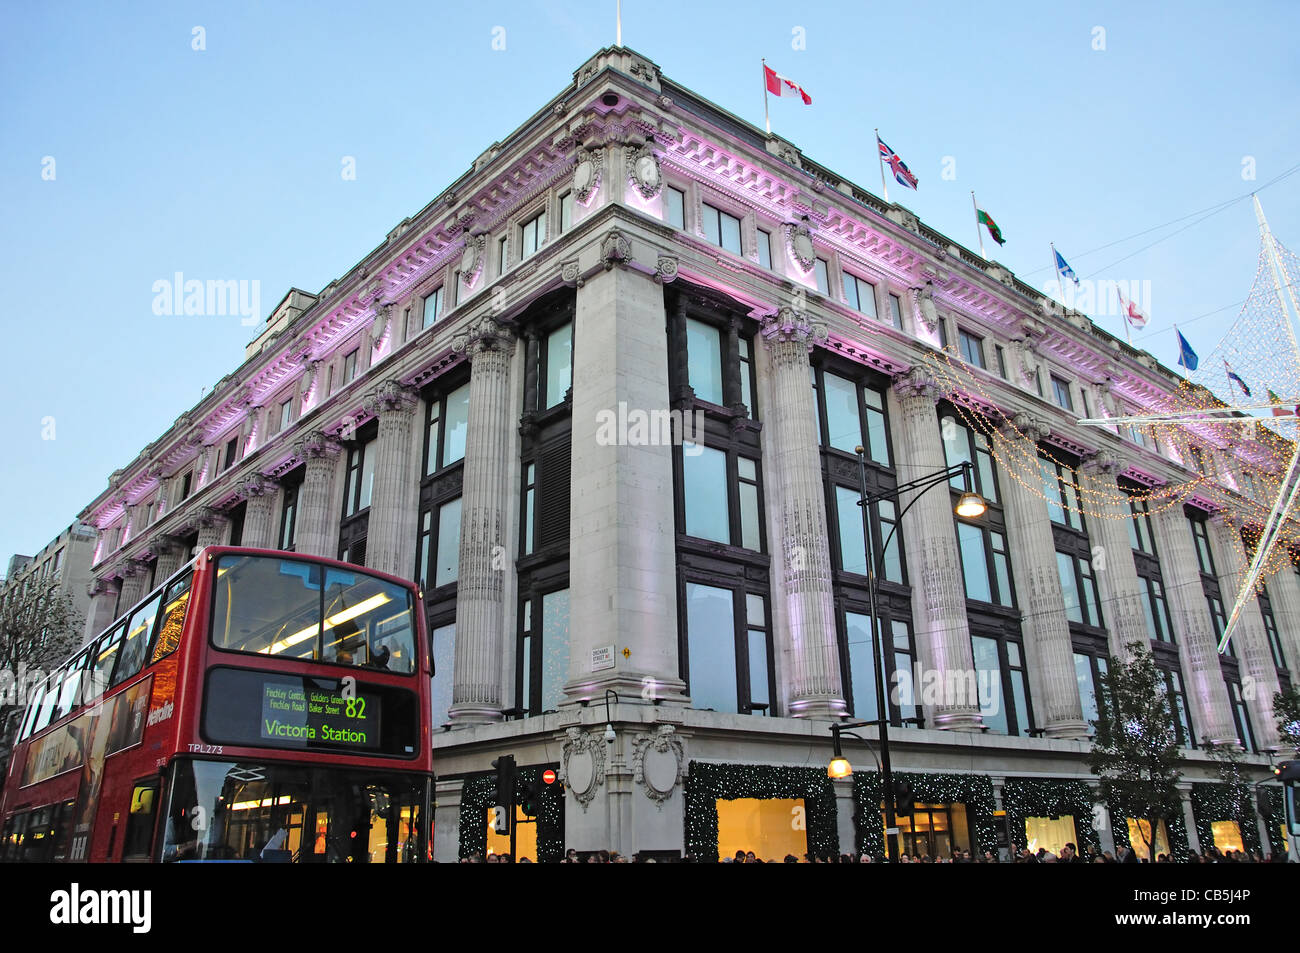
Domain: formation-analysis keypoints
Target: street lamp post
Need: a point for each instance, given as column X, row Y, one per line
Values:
column 970, row 505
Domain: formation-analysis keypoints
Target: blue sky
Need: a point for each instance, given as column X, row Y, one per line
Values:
column 225, row 163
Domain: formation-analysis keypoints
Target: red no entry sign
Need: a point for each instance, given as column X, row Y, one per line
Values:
column 548, row 776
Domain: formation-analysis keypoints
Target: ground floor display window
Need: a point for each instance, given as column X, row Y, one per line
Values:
column 1050, row 833
column 1139, row 835
column 770, row 827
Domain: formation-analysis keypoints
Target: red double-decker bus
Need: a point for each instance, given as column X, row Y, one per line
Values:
column 258, row 706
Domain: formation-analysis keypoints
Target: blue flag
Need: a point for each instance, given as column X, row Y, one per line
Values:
column 1186, row 356
column 1065, row 270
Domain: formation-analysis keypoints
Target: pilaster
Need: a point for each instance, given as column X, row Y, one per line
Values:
column 939, row 620
column 317, row 532
column 1045, row 626
column 481, row 643
column 793, row 462
column 394, row 503
column 1122, row 592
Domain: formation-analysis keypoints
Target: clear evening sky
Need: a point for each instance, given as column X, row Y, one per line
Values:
column 225, row 162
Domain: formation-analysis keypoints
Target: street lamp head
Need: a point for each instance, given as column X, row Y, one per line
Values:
column 971, row 506
column 839, row 768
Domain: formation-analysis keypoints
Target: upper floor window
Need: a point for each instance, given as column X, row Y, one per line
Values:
column 1140, row 536
column 532, row 235
column 566, row 212
column 349, row 367
column 556, row 372
column 1270, row 629
column 1156, row 609
column 503, row 254
column 432, row 305
column 360, row 478
column 231, row 451
column 543, row 656
column 1002, row 360
column 704, row 360
column 765, row 248
column 1061, row 488
column 721, row 229
column 728, row 649
column 1001, row 662
column 855, row 416
column 675, row 207
column 446, row 423
column 896, row 311
column 722, row 496
column 821, row 276
column 286, row 413
column 859, row 294
column 187, row 483
column 289, row 517
column 1061, row 393
column 1184, row 735
column 985, row 563
column 972, row 348
column 1079, row 588
column 963, row 444
column 1201, row 538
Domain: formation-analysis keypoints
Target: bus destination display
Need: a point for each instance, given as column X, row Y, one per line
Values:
column 306, row 715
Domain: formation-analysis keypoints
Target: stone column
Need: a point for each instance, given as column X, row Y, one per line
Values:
column 1284, row 593
column 1255, row 662
column 624, row 572
column 481, row 642
column 212, row 527
column 933, row 563
column 317, row 532
column 1189, row 817
column 394, row 503
column 1122, row 592
column 259, row 512
column 1197, row 649
column 103, row 592
column 793, row 463
column 171, row 556
column 1032, row 547
column 845, row 809
column 134, row 582
column 446, row 820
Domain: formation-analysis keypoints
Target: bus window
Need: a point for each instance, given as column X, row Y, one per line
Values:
column 47, row 704
column 139, row 822
column 269, row 606
column 139, row 630
column 176, row 602
column 105, row 653
column 13, row 837
column 33, row 708
column 368, row 622
column 69, row 695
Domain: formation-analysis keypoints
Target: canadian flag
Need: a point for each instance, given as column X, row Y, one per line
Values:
column 779, row 85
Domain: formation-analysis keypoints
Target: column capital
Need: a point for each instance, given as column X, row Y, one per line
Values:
column 1024, row 426
column 317, row 445
column 257, row 486
column 918, row 381
column 483, row 334
column 131, row 567
column 165, row 545
column 1101, row 462
column 209, row 517
column 391, row 396
column 789, row 325
column 102, row 585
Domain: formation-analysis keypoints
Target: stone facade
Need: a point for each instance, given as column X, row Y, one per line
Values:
column 628, row 608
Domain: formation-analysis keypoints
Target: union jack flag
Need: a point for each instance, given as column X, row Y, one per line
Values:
column 902, row 173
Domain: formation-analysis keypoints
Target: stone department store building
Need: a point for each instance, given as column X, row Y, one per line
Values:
column 484, row 402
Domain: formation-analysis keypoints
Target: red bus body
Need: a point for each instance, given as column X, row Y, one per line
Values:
column 82, row 781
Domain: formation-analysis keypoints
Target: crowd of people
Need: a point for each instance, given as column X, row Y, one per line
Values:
column 1069, row 854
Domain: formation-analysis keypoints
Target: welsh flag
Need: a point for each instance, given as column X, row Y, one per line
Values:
column 986, row 220
column 779, row 85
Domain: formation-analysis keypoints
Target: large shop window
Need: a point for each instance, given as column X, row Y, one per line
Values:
column 728, row 649
column 1050, row 833
column 762, row 825
column 933, row 830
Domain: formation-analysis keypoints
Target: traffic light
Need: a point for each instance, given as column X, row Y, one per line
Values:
column 903, row 798
column 530, row 797
column 1287, row 771
column 504, row 801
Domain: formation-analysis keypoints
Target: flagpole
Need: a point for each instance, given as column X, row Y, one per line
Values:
column 883, row 184
column 978, row 233
column 1060, row 278
column 1123, row 312
column 618, row 41
column 767, row 119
